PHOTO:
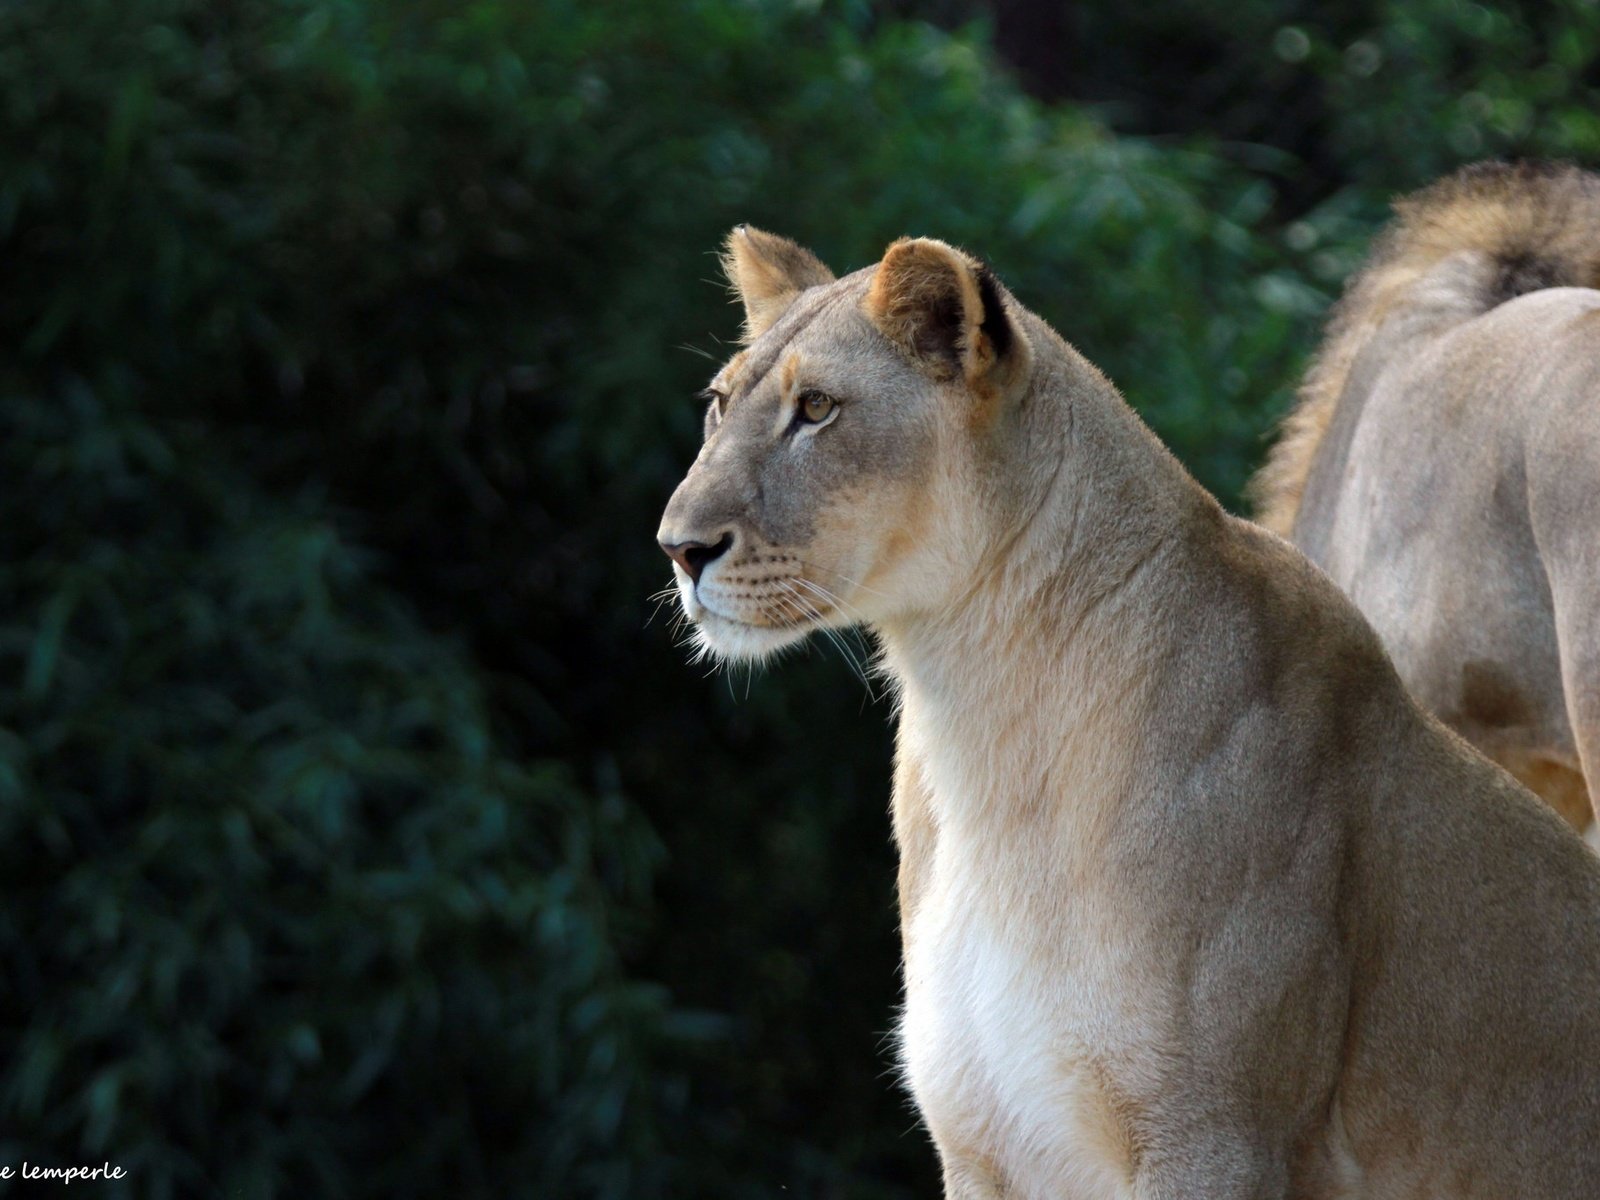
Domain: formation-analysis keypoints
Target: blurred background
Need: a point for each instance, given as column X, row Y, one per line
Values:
column 361, row 834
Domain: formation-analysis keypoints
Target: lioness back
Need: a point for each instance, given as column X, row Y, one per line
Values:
column 1444, row 465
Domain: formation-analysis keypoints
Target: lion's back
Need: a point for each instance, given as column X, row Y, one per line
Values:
column 1427, row 520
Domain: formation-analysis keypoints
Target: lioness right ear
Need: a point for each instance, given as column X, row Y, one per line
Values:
column 768, row 272
column 947, row 312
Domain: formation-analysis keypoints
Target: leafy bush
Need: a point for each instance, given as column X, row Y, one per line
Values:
column 281, row 911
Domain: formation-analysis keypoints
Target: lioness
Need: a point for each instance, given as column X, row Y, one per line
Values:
column 1443, row 464
column 1196, row 901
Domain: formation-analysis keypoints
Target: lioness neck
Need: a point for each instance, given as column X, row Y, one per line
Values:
column 1021, row 699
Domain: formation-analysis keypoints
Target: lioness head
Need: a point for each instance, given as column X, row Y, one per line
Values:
column 845, row 445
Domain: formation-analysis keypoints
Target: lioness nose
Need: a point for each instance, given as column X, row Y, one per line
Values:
column 693, row 556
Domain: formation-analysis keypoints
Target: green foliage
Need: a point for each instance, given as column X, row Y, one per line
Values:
column 357, row 834
column 282, row 914
column 285, row 914
column 1416, row 89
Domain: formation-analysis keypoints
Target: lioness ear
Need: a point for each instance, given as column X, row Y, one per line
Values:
column 945, row 310
column 768, row 272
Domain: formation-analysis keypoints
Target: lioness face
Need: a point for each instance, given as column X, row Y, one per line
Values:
column 826, row 492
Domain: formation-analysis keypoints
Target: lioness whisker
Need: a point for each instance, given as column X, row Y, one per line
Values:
column 705, row 354
column 815, row 614
column 867, row 653
column 664, row 596
column 833, row 599
column 855, row 583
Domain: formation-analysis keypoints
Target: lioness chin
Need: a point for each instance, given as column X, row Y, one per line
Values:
column 1196, row 902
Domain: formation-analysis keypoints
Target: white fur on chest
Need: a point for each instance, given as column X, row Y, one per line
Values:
column 996, row 1044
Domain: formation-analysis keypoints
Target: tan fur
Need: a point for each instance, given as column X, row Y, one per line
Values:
column 1548, row 214
column 767, row 272
column 917, row 277
column 1444, row 448
column 923, row 277
column 1196, row 902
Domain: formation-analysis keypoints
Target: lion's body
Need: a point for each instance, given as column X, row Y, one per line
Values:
column 1444, row 465
column 1196, row 901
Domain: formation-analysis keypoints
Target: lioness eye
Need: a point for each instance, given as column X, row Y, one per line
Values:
column 816, row 407
column 717, row 400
